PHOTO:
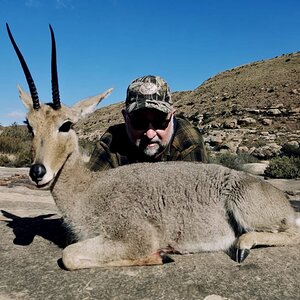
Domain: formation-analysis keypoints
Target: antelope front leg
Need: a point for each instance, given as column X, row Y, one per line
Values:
column 97, row 252
column 85, row 254
column 250, row 239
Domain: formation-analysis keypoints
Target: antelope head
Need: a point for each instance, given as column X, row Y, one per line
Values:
column 50, row 124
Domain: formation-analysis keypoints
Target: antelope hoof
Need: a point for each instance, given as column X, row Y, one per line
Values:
column 165, row 258
column 241, row 254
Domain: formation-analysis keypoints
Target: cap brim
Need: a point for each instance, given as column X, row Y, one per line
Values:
column 159, row 105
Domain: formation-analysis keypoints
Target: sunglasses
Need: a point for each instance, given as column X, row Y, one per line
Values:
column 139, row 123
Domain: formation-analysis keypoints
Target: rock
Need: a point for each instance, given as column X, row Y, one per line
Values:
column 295, row 91
column 246, row 121
column 215, row 297
column 279, row 105
column 294, row 144
column 230, row 124
column 267, row 151
column 229, row 147
column 255, row 168
column 242, row 149
column 214, row 140
column 273, row 112
column 225, row 97
column 267, row 122
column 254, row 111
column 294, row 111
column 264, row 133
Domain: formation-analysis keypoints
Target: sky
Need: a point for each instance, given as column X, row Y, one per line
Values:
column 108, row 43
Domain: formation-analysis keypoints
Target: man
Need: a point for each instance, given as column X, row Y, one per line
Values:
column 150, row 133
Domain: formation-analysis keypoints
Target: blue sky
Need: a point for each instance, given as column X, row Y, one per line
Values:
column 108, row 43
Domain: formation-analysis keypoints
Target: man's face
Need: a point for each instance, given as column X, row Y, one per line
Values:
column 150, row 130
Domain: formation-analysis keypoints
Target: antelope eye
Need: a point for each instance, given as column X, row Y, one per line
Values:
column 65, row 127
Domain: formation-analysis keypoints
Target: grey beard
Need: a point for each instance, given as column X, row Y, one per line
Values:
column 154, row 151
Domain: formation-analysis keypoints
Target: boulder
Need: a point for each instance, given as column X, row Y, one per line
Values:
column 255, row 168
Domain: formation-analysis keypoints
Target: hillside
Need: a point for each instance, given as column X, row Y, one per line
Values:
column 253, row 108
column 257, row 85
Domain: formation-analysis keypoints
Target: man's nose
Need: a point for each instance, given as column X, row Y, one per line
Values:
column 150, row 132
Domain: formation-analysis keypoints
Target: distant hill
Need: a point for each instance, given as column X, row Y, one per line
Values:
column 266, row 84
column 243, row 108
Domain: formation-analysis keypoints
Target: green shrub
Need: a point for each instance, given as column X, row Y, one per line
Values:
column 233, row 161
column 18, row 132
column 284, row 167
column 15, row 140
column 290, row 150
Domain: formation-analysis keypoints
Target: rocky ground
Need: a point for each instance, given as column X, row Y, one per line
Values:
column 32, row 238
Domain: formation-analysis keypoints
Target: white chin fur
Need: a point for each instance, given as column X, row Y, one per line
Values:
column 47, row 179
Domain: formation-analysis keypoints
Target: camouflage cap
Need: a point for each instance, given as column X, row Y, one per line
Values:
column 149, row 92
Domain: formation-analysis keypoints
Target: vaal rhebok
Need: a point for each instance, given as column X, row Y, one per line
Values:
column 137, row 214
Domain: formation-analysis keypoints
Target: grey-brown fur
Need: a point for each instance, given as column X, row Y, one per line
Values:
column 133, row 215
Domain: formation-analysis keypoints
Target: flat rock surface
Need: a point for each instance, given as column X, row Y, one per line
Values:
column 32, row 238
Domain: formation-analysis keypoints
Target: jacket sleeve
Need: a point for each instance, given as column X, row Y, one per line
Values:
column 189, row 143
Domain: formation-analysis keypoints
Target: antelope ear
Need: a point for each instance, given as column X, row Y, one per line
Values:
column 25, row 98
column 88, row 105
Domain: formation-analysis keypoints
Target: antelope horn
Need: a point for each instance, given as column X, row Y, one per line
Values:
column 30, row 82
column 54, row 78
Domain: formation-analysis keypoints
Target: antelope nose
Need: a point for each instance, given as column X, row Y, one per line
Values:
column 37, row 172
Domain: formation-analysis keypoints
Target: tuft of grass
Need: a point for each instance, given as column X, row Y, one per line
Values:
column 5, row 161
column 9, row 145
